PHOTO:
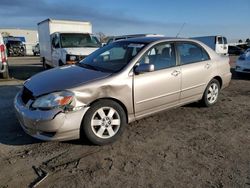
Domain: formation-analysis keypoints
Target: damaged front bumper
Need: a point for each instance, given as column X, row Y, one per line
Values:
column 49, row 125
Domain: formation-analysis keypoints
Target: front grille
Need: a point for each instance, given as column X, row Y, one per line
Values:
column 26, row 95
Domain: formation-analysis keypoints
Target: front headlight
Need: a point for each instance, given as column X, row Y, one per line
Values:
column 54, row 100
column 72, row 58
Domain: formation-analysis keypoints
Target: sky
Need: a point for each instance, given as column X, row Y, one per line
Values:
column 230, row 18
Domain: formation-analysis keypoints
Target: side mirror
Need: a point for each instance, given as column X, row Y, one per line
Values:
column 142, row 68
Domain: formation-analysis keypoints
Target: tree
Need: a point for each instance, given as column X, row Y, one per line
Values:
column 248, row 41
column 240, row 41
column 102, row 37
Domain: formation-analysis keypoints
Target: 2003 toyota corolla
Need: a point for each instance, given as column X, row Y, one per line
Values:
column 117, row 84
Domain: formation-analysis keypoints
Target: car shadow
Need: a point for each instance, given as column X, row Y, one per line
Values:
column 194, row 105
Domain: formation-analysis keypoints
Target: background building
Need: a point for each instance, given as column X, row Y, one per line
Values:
column 31, row 36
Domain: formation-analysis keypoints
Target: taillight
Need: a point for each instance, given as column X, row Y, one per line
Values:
column 3, row 54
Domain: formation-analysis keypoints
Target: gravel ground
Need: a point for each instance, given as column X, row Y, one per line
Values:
column 188, row 146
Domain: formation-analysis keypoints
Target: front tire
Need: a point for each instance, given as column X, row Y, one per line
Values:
column 104, row 122
column 211, row 94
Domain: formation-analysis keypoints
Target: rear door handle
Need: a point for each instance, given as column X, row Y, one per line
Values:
column 175, row 73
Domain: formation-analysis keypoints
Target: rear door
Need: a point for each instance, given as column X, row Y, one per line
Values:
column 196, row 69
column 157, row 90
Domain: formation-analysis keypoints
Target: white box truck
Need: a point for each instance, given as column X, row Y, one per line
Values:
column 65, row 42
column 217, row 43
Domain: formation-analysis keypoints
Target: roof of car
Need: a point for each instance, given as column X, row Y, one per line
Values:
column 149, row 39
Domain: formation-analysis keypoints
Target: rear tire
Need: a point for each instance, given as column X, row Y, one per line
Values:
column 211, row 94
column 104, row 122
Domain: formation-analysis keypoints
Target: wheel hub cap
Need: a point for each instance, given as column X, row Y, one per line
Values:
column 212, row 93
column 105, row 122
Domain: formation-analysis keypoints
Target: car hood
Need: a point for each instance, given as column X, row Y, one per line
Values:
column 80, row 51
column 62, row 78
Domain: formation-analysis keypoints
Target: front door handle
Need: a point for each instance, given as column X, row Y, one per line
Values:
column 175, row 73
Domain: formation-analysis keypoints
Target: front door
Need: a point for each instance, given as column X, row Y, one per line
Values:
column 55, row 50
column 159, row 89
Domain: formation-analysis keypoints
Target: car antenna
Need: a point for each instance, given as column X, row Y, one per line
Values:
column 182, row 26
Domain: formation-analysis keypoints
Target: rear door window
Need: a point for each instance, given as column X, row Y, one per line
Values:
column 191, row 53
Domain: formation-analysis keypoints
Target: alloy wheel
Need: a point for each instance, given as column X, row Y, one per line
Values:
column 212, row 93
column 105, row 122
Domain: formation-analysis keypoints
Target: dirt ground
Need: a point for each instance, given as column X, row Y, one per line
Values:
column 188, row 146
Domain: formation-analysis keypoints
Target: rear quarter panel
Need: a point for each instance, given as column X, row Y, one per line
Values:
column 223, row 70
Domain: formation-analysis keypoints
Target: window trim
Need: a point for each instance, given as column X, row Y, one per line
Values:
column 189, row 42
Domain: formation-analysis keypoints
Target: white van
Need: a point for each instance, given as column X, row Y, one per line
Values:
column 4, row 71
column 65, row 42
column 217, row 43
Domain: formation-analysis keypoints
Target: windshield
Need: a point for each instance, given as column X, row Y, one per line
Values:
column 225, row 40
column 113, row 57
column 78, row 40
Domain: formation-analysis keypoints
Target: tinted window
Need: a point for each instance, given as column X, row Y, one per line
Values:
column 220, row 40
column 161, row 56
column 191, row 53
